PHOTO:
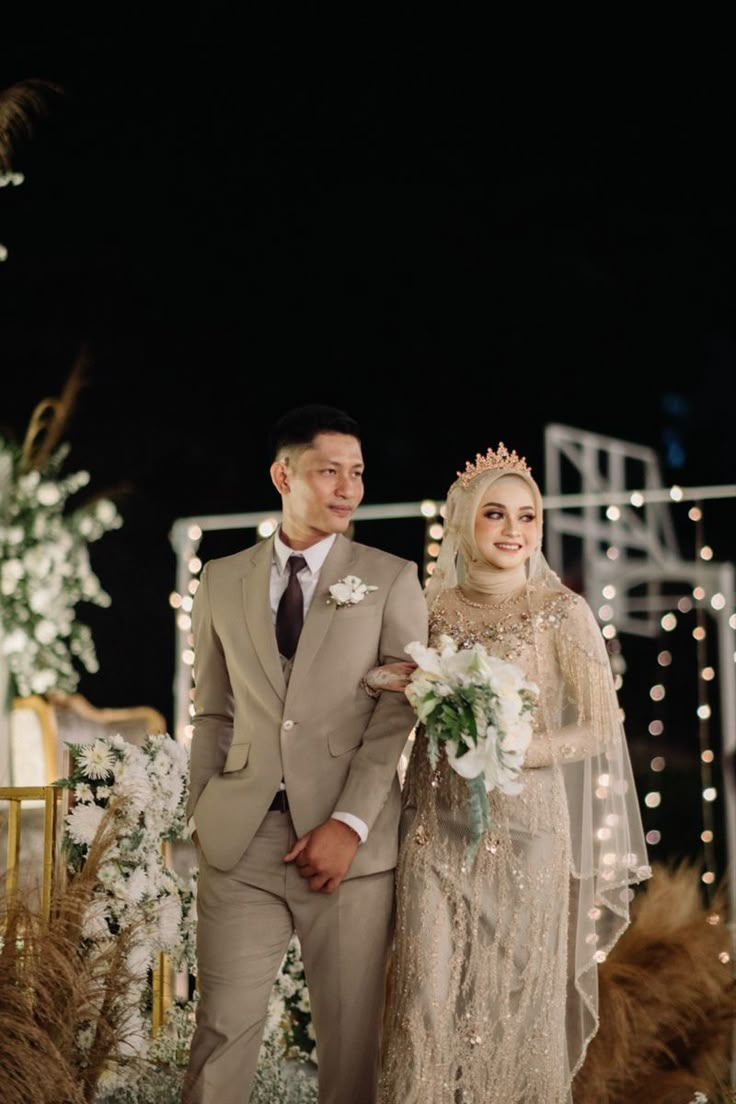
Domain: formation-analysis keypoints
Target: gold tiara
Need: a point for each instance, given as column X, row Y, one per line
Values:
column 492, row 460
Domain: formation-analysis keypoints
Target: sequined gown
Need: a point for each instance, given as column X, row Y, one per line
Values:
column 477, row 994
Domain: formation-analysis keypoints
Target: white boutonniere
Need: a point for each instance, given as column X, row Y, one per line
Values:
column 349, row 591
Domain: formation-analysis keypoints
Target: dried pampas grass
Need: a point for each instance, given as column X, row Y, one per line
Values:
column 50, row 985
column 20, row 105
column 667, row 1001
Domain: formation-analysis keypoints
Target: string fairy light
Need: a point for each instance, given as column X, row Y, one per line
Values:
column 706, row 674
column 657, row 764
column 434, row 531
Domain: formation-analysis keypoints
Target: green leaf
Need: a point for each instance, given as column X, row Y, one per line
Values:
column 479, row 815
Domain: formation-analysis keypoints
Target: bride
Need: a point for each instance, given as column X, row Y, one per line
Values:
column 492, row 992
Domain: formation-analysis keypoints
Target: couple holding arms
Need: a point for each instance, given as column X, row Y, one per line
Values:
column 430, row 982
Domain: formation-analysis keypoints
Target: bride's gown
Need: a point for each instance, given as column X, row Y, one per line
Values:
column 478, row 986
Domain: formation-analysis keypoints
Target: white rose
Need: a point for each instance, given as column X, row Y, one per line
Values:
column 425, row 658
column 340, row 592
column 41, row 600
column 106, row 511
column 48, row 494
column 30, row 481
column 45, row 632
column 40, row 526
column 37, row 561
column 12, row 571
column 41, row 681
column 468, row 765
column 15, row 642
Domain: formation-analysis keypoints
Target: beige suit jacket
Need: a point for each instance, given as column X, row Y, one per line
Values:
column 336, row 747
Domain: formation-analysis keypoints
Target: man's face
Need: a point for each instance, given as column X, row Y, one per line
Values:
column 321, row 487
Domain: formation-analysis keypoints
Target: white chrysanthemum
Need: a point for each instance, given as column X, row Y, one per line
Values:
column 108, row 874
column 11, row 572
column 131, row 780
column 15, row 642
column 48, row 494
column 140, row 958
column 170, row 791
column 37, row 561
column 82, row 823
column 41, row 681
column 161, row 764
column 85, row 1037
column 106, row 512
column 29, row 481
column 94, row 925
column 45, row 631
column 169, row 921
column 83, row 793
column 133, row 888
column 275, row 1016
column 287, row 985
column 96, row 760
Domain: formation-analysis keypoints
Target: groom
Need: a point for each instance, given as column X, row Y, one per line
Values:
column 293, row 788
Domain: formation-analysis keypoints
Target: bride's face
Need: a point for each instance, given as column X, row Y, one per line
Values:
column 506, row 524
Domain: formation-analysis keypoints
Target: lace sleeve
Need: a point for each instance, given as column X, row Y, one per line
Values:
column 592, row 705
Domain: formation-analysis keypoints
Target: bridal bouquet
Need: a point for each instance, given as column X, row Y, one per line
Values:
column 479, row 707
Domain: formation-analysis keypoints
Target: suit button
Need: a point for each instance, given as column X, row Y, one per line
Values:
column 288, row 725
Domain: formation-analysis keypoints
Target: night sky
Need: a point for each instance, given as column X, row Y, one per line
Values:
column 232, row 224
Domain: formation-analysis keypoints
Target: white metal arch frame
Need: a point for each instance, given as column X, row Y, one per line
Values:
column 611, row 473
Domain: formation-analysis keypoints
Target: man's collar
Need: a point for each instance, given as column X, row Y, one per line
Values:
column 315, row 555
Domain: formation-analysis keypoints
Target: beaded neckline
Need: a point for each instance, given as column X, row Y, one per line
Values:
column 510, row 601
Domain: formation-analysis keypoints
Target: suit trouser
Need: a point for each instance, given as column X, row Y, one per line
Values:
column 246, row 917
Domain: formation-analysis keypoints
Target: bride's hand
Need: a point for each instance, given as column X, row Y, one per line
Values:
column 391, row 676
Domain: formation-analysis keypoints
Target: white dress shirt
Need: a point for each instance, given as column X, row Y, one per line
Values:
column 308, row 577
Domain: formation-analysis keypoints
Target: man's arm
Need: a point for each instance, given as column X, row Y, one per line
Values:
column 373, row 766
column 324, row 855
column 213, row 698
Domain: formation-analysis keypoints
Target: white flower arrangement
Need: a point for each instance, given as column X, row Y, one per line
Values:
column 349, row 591
column 45, row 572
column 137, row 891
column 479, row 708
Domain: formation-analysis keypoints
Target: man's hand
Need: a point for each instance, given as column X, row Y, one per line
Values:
column 324, row 855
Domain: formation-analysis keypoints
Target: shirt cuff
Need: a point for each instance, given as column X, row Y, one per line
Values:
column 353, row 822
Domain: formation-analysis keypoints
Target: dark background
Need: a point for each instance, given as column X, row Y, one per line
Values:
column 233, row 223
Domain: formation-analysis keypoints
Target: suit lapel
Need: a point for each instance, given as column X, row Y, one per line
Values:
column 258, row 616
column 321, row 612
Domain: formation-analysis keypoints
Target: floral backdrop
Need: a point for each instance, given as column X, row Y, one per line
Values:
column 144, row 788
column 45, row 571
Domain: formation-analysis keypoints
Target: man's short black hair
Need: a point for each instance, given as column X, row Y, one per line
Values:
column 301, row 425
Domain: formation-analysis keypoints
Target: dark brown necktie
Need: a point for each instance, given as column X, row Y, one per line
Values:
column 290, row 614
